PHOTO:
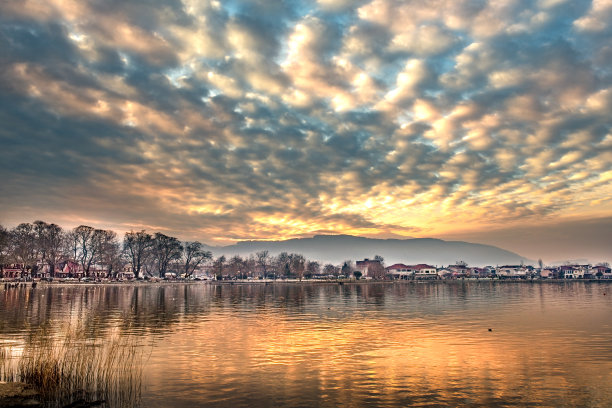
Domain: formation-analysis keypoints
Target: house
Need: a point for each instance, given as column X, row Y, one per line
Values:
column 126, row 273
column 512, row 272
column 480, row 272
column 574, row 271
column 601, row 272
column 13, row 271
column 424, row 271
column 459, row 270
column 399, row 271
column 69, row 269
column 367, row 266
column 445, row 273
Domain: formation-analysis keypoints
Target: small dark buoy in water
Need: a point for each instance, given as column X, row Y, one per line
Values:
column 490, row 329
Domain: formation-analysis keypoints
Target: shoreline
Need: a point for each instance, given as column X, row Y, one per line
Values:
column 17, row 285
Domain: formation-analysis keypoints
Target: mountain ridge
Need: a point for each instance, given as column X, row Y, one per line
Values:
column 336, row 249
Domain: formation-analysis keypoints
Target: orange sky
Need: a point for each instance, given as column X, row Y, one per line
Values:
column 225, row 121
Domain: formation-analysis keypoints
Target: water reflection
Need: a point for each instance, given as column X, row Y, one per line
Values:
column 327, row 345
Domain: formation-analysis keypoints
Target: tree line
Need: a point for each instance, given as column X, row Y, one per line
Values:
column 38, row 245
column 41, row 245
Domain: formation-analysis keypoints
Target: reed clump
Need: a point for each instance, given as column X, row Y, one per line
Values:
column 74, row 366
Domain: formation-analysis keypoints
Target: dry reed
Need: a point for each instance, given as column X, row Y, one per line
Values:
column 78, row 367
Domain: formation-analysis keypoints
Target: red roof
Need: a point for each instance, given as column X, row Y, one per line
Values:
column 422, row 266
column 397, row 266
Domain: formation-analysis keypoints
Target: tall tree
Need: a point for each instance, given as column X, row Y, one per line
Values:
column 88, row 246
column 312, row 268
column 377, row 270
column 330, row 270
column 281, row 264
column 297, row 265
column 166, row 249
column 347, row 268
column 110, row 254
column 236, row 265
column 52, row 244
column 24, row 247
column 137, row 245
column 263, row 262
column 250, row 265
column 72, row 245
column 4, row 249
column 219, row 267
column 194, row 255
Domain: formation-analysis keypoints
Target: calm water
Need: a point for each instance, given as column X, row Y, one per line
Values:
column 373, row 345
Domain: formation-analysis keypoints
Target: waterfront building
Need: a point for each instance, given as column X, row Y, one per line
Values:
column 399, row 271
column 601, row 272
column 424, row 271
column 367, row 266
column 512, row 272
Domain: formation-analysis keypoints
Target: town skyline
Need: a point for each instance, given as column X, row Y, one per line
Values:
column 485, row 122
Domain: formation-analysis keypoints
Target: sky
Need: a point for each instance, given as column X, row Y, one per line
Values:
column 483, row 120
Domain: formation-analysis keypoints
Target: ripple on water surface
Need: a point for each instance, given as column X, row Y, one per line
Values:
column 351, row 345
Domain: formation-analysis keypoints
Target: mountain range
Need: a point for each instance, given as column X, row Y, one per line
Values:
column 338, row 248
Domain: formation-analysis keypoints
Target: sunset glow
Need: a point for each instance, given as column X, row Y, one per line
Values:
column 237, row 120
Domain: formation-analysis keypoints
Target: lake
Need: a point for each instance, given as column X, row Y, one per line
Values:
column 375, row 344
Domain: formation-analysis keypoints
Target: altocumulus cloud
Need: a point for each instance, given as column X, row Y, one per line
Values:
column 226, row 120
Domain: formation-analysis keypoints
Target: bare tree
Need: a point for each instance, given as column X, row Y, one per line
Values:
column 165, row 250
column 281, row 264
column 52, row 244
column 297, row 265
column 331, row 270
column 149, row 262
column 236, row 265
column 250, row 264
column 24, row 247
column 193, row 256
column 72, row 245
column 377, row 270
column 219, row 267
column 136, row 246
column 4, row 249
column 88, row 246
column 347, row 268
column 312, row 268
column 263, row 261
column 110, row 254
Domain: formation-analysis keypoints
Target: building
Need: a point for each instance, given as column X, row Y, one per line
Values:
column 399, row 271
column 601, row 272
column 574, row 271
column 512, row 272
column 367, row 267
column 424, row 271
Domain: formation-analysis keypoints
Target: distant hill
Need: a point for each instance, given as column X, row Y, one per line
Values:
column 338, row 248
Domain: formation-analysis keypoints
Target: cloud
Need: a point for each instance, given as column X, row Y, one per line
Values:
column 241, row 120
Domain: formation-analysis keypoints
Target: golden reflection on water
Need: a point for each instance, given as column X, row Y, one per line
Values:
column 350, row 359
column 352, row 345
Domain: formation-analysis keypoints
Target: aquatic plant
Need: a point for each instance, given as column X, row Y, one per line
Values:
column 77, row 366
